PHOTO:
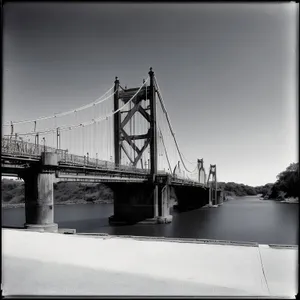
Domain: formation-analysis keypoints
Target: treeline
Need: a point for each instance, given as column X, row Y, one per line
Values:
column 237, row 189
column 64, row 192
column 287, row 184
column 264, row 189
column 72, row 192
column 12, row 191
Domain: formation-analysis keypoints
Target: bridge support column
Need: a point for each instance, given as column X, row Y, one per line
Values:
column 220, row 197
column 215, row 197
column 146, row 203
column 210, row 193
column 164, row 205
column 39, row 200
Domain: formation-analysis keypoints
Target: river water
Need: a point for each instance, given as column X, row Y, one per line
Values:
column 247, row 219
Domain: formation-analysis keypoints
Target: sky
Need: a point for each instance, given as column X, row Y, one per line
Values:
column 227, row 72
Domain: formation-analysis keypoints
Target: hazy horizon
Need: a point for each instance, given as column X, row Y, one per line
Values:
column 227, row 72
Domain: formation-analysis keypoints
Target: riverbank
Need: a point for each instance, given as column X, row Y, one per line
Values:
column 288, row 200
column 18, row 205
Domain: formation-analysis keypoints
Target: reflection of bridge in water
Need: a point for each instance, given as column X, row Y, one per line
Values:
column 141, row 163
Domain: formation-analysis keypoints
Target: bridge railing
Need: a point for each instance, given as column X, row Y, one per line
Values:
column 96, row 163
column 16, row 147
column 13, row 146
column 187, row 180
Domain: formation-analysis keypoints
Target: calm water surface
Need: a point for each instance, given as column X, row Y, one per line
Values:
column 242, row 219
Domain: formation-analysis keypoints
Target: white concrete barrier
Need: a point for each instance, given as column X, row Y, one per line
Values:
column 56, row 264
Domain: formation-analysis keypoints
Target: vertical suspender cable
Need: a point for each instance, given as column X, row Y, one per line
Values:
column 107, row 133
column 166, row 114
column 93, row 132
column 82, row 140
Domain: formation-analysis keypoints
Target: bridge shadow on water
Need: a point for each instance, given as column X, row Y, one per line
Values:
column 245, row 219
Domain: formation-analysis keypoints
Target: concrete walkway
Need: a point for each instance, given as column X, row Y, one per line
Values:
column 56, row 264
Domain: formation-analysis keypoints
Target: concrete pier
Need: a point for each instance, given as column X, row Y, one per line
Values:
column 164, row 200
column 135, row 203
column 39, row 199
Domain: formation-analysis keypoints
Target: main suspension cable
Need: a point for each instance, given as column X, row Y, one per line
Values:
column 100, row 119
column 169, row 123
column 97, row 101
column 165, row 149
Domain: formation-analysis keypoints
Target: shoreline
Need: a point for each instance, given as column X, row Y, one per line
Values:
column 19, row 205
column 289, row 201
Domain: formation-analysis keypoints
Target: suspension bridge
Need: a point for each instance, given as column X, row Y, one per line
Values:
column 124, row 139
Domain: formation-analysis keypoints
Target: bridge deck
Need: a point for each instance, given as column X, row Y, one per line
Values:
column 86, row 169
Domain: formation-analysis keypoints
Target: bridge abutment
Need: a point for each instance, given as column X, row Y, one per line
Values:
column 39, row 198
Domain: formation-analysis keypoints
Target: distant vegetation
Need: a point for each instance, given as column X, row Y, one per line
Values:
column 64, row 192
column 264, row 190
column 12, row 191
column 236, row 189
column 287, row 184
column 72, row 192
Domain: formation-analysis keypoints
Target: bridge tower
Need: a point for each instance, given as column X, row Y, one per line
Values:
column 122, row 118
column 212, row 184
column 117, row 123
column 214, row 193
column 201, row 171
column 149, row 201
